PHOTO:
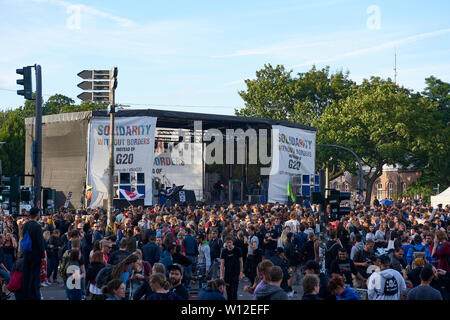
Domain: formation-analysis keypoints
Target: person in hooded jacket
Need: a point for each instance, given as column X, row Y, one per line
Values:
column 388, row 284
column 272, row 290
column 359, row 245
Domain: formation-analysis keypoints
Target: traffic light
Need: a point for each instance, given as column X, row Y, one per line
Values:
column 10, row 189
column 25, row 194
column 27, row 91
column 334, row 200
column 48, row 199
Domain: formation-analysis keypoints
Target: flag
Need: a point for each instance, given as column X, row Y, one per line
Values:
column 130, row 196
column 290, row 192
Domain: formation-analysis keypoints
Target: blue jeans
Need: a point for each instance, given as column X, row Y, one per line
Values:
column 52, row 267
column 5, row 276
column 73, row 294
column 9, row 261
column 188, row 270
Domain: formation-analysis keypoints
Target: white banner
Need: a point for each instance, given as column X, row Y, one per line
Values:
column 176, row 164
column 134, row 143
column 294, row 153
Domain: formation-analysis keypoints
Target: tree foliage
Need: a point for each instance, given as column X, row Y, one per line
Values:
column 384, row 124
column 12, row 127
column 276, row 94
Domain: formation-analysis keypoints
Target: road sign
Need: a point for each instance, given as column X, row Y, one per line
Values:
column 95, row 74
column 102, row 90
column 95, row 96
column 94, row 85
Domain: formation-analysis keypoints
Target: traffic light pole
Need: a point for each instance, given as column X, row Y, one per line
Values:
column 111, row 160
column 38, row 139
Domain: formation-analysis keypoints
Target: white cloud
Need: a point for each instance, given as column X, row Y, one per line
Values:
column 277, row 49
column 89, row 10
column 386, row 45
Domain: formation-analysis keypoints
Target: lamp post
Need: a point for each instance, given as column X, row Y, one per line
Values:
column 360, row 173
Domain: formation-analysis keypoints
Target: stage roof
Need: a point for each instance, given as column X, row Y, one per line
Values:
column 185, row 120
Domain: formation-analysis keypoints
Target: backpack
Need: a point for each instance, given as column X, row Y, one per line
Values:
column 63, row 266
column 418, row 253
column 390, row 286
column 328, row 255
column 26, row 245
column 103, row 276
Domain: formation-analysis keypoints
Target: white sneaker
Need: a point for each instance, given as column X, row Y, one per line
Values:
column 290, row 294
column 43, row 284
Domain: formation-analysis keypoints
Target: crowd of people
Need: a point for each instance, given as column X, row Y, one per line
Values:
column 378, row 252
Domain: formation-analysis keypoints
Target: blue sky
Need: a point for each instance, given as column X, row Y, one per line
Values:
column 177, row 55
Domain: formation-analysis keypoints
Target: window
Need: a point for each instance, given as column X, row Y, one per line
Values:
column 403, row 187
column 338, row 187
column 390, row 190
column 379, row 191
column 140, row 178
column 124, row 178
column 346, row 187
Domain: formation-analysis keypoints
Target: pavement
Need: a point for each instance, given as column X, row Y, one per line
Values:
column 57, row 291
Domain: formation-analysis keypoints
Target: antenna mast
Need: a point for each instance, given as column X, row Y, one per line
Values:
column 395, row 66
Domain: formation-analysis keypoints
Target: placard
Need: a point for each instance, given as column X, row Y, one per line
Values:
column 134, row 144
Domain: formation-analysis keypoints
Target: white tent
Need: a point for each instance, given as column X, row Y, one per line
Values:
column 442, row 198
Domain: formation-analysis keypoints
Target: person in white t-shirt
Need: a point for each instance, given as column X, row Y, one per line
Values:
column 293, row 224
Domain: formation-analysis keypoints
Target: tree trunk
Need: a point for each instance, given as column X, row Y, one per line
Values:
column 370, row 180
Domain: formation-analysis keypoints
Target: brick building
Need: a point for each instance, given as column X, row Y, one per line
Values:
column 393, row 182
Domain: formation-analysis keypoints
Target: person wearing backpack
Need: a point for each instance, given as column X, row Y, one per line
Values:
column 33, row 247
column 331, row 250
column 388, row 284
column 416, row 248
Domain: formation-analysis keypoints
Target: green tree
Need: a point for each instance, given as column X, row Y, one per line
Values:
column 439, row 91
column 12, row 152
column 436, row 168
column 12, row 127
column 56, row 104
column 383, row 123
column 276, row 94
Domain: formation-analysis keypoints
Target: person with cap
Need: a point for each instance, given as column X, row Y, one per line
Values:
column 175, row 278
column 33, row 259
column 278, row 259
column 388, row 284
column 417, row 248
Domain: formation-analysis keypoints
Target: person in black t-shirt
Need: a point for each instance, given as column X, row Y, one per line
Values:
column 364, row 258
column 175, row 277
column 231, row 267
column 345, row 267
column 270, row 240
